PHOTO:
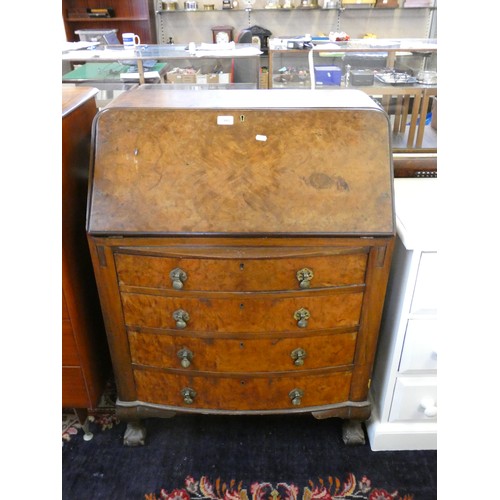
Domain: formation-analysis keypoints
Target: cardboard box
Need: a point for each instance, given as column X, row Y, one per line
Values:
column 218, row 78
column 419, row 3
column 387, row 4
column 354, row 3
column 201, row 79
column 181, row 76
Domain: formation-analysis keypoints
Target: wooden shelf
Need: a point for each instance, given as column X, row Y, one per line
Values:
column 105, row 19
column 136, row 16
column 299, row 9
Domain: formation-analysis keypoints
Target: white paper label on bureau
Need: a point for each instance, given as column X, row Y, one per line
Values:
column 225, row 120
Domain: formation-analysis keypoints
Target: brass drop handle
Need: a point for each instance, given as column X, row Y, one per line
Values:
column 296, row 396
column 298, row 355
column 304, row 277
column 301, row 316
column 186, row 356
column 178, row 276
column 188, row 395
column 181, row 318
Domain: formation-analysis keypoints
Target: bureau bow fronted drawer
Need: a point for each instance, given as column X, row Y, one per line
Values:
column 241, row 242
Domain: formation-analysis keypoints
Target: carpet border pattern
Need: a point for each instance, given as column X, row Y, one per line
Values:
column 331, row 489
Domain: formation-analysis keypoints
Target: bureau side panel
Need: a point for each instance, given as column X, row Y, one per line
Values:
column 109, row 296
column 377, row 275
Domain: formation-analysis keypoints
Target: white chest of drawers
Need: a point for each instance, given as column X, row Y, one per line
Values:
column 404, row 384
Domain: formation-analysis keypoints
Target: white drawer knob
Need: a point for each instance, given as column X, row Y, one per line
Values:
column 429, row 407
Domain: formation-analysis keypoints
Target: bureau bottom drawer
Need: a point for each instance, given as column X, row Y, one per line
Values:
column 240, row 393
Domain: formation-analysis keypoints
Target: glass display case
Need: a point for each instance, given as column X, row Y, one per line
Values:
column 204, row 64
column 399, row 74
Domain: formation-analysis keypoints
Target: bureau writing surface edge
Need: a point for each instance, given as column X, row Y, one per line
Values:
column 241, row 253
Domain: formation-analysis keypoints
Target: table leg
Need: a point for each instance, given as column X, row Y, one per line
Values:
column 423, row 118
column 415, row 113
column 140, row 68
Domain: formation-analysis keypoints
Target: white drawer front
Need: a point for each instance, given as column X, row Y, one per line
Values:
column 420, row 346
column 425, row 295
column 415, row 398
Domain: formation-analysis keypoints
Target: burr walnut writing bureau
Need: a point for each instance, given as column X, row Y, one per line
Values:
column 241, row 242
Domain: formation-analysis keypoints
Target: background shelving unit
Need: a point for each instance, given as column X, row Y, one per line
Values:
column 188, row 25
column 136, row 16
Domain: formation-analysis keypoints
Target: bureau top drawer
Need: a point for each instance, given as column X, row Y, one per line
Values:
column 240, row 269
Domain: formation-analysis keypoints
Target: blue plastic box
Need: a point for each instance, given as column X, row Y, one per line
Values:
column 327, row 75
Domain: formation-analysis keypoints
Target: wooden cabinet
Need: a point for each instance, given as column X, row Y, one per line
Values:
column 241, row 243
column 404, row 387
column 130, row 16
column 85, row 355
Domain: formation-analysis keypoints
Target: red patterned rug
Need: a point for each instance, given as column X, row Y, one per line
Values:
column 71, row 426
column 103, row 416
column 329, row 489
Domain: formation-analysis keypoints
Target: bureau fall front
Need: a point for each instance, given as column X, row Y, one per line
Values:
column 241, row 243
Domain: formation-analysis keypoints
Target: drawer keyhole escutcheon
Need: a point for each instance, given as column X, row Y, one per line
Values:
column 304, row 277
column 178, row 277
column 298, row 355
column 296, row 396
column 181, row 318
column 188, row 395
column 301, row 315
column 186, row 356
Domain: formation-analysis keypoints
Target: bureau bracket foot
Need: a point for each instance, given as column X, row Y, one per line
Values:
column 352, row 432
column 135, row 434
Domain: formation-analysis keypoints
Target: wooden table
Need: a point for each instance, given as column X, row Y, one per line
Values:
column 110, row 71
column 411, row 100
